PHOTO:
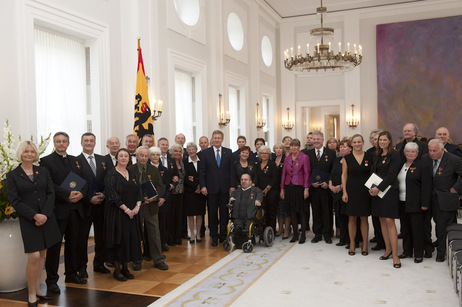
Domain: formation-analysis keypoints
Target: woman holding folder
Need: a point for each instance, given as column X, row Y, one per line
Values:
column 386, row 165
column 355, row 172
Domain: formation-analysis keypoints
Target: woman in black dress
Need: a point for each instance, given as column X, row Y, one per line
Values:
column 194, row 200
column 415, row 192
column 386, row 165
column 167, row 177
column 243, row 165
column 175, row 214
column 123, row 231
column 355, row 172
column 31, row 193
column 335, row 185
column 266, row 180
column 282, row 213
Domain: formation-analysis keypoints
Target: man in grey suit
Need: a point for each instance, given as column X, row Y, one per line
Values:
column 447, row 185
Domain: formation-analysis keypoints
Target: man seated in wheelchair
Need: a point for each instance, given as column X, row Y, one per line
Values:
column 246, row 201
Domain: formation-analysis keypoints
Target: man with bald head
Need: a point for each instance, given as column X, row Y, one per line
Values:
column 113, row 144
column 442, row 133
column 180, row 139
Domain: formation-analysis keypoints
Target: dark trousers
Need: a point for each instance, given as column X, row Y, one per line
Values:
column 442, row 220
column 216, row 206
column 97, row 219
column 321, row 212
column 307, row 213
column 174, row 219
column 341, row 221
column 412, row 230
column 427, row 228
column 270, row 206
column 162, row 229
column 378, row 231
column 69, row 228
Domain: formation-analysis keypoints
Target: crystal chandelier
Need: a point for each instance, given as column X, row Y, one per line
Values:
column 323, row 57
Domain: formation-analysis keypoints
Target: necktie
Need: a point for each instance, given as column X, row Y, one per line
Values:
column 435, row 167
column 143, row 175
column 92, row 165
column 218, row 157
column 318, row 155
column 163, row 162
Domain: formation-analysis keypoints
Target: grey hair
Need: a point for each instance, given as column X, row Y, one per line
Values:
column 319, row 133
column 438, row 141
column 141, row 148
column 264, row 147
column 411, row 146
column 154, row 150
column 131, row 134
column 191, row 144
column 174, row 147
column 416, row 129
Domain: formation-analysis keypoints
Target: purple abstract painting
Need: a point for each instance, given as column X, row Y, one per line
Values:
column 419, row 75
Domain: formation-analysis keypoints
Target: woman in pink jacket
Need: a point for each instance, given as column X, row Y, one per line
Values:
column 295, row 182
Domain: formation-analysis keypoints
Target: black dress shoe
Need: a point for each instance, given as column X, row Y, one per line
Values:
column 418, row 260
column 340, row 243
column 378, row 247
column 119, row 277
column 178, row 242
column 147, row 258
column 127, row 274
column 186, row 237
column 82, row 273
column 302, row 239
column 165, row 248
column 435, row 244
column 440, row 259
column 137, row 265
column 316, row 239
column 101, row 269
column 214, row 243
column 328, row 240
column 294, row 238
column 75, row 279
column 428, row 254
column 161, row 266
column 373, row 240
column 44, row 297
column 404, row 255
column 53, row 288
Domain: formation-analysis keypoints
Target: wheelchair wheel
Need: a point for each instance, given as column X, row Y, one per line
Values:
column 226, row 245
column 268, row 236
column 247, row 247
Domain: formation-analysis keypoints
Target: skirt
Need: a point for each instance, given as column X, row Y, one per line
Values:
column 293, row 196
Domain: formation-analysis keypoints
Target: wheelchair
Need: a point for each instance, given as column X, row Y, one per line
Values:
column 245, row 239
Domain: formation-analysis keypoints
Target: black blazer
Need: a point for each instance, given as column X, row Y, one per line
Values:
column 101, row 168
column 190, row 170
column 29, row 198
column 108, row 162
column 447, row 176
column 387, row 170
column 418, row 187
column 55, row 166
column 454, row 149
column 268, row 176
column 325, row 163
column 216, row 179
column 166, row 175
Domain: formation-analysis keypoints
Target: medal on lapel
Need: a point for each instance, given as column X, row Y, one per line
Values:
column 412, row 169
column 149, row 177
column 77, row 164
column 384, row 159
column 104, row 165
column 326, row 157
column 251, row 196
column 36, row 172
column 440, row 171
column 365, row 163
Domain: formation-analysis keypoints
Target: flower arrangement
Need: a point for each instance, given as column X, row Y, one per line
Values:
column 8, row 162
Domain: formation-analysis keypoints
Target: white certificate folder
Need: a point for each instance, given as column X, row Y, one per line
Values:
column 373, row 181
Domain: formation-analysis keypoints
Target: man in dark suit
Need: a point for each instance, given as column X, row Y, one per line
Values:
column 216, row 174
column 93, row 171
column 164, row 154
column 68, row 211
column 147, row 140
column 322, row 159
column 410, row 131
column 113, row 144
column 131, row 143
column 447, row 185
column 442, row 133
column 144, row 172
column 180, row 139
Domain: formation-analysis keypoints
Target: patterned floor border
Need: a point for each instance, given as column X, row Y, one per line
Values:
column 225, row 281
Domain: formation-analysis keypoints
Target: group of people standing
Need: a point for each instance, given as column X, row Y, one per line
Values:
column 418, row 182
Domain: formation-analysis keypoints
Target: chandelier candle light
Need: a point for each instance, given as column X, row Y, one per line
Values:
column 288, row 124
column 261, row 122
column 224, row 117
column 353, row 119
column 323, row 57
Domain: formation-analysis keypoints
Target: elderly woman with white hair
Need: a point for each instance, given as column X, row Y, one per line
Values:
column 415, row 186
column 30, row 190
column 266, row 178
column 167, row 176
column 194, row 204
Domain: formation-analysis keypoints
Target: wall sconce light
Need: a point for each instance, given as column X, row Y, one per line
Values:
column 157, row 110
column 288, row 124
column 316, row 128
column 353, row 119
column 261, row 122
column 224, row 117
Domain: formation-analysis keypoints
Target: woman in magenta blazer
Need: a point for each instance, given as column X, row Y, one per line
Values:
column 295, row 182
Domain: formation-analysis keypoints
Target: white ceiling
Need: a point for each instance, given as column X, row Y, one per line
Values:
column 295, row 8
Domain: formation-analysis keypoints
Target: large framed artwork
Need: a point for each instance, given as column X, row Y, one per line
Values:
column 419, row 76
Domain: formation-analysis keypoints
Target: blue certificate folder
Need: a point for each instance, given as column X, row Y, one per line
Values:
column 149, row 190
column 73, row 182
column 318, row 176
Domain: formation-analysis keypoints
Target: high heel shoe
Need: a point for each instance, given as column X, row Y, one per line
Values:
column 192, row 241
column 364, row 253
column 351, row 253
column 397, row 265
column 385, row 257
column 43, row 297
column 198, row 240
column 34, row 304
column 278, row 233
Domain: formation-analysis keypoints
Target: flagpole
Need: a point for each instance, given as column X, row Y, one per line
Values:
column 139, row 43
